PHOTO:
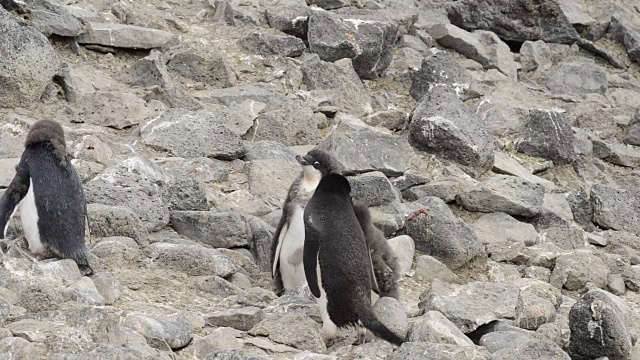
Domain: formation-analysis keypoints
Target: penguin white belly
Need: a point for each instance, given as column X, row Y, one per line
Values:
column 291, row 266
column 329, row 328
column 29, row 218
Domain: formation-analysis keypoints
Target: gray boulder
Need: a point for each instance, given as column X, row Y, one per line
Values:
column 218, row 229
column 185, row 193
column 364, row 149
column 50, row 18
column 472, row 305
column 207, row 65
column 440, row 69
column 159, row 332
column 441, row 234
column 433, row 327
column 504, row 339
column 392, row 314
column 124, row 36
column 442, row 125
column 135, row 183
column 373, row 188
column 329, row 4
column 215, row 285
column 329, row 37
column 506, row 194
column 242, row 319
column 291, row 19
column 338, row 85
column 579, row 78
column 537, row 304
column 290, row 122
column 616, row 208
column 446, row 189
column 118, row 110
column 431, row 351
column 574, row 270
column 268, row 44
column 195, row 134
column 547, row 134
column 28, row 64
column 544, row 20
column 270, row 179
column 194, row 260
column 534, row 349
column 429, row 268
column 109, row 221
column 295, row 330
column 627, row 36
column 375, row 35
column 598, row 329
column 149, row 71
column 511, row 230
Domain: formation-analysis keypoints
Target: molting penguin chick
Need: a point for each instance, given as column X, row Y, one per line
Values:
column 386, row 265
column 288, row 239
column 337, row 263
column 53, row 207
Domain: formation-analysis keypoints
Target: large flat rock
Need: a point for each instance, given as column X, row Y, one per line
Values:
column 124, row 36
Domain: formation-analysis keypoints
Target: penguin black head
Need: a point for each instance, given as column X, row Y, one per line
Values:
column 318, row 163
column 51, row 132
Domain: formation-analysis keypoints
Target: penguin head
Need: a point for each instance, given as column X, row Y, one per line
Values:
column 47, row 131
column 319, row 163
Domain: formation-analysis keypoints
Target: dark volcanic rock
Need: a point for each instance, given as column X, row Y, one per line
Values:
column 627, row 36
column 268, row 44
column 615, row 208
column 442, row 125
column 548, row 135
column 517, row 20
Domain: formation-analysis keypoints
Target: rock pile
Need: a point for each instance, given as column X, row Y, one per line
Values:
column 495, row 141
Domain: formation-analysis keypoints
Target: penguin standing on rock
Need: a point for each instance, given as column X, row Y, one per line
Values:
column 288, row 239
column 53, row 207
column 337, row 262
column 385, row 263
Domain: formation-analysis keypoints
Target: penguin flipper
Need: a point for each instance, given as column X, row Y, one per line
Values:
column 16, row 191
column 310, row 258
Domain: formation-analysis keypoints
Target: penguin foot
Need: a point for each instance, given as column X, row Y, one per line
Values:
column 362, row 335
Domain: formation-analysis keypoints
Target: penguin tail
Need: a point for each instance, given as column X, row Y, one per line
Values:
column 371, row 322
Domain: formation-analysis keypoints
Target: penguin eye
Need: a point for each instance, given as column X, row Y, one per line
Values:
column 316, row 164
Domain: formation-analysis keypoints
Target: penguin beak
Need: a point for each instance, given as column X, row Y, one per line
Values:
column 304, row 160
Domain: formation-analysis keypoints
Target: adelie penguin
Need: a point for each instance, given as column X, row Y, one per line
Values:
column 288, row 239
column 337, row 262
column 53, row 207
column 385, row 263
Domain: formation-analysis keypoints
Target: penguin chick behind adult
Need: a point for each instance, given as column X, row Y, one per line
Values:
column 53, row 207
column 386, row 265
column 337, row 262
column 288, row 239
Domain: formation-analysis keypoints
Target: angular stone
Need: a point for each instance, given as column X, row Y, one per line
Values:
column 268, row 45
column 429, row 268
column 598, row 329
column 50, row 18
column 294, row 330
column 118, row 110
column 185, row 194
column 108, row 287
column 242, row 319
column 338, row 85
column 270, row 179
column 535, row 55
column 29, row 63
column 574, row 270
column 534, row 349
column 506, row 194
column 544, row 20
column 537, row 305
column 404, row 248
column 218, row 229
column 117, row 251
column 84, row 291
column 431, row 351
column 134, row 183
column 626, row 36
column 446, row 189
column 124, row 36
column 290, row 122
column 547, row 134
column 291, row 19
column 330, row 38
column 433, row 327
column 578, row 79
column 109, row 221
column 373, row 188
column 159, row 333
column 392, row 314
column 217, row 286
column 195, row 260
column 207, row 65
column 149, row 71
column 567, row 238
column 511, row 230
column 440, row 234
column 498, row 340
column 440, row 69
column 442, row 125
column 472, row 305
column 195, row 134
column 506, row 164
column 362, row 150
column 616, row 208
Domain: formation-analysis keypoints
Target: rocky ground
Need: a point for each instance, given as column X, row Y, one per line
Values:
column 494, row 139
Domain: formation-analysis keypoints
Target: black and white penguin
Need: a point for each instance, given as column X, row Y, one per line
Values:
column 52, row 203
column 385, row 263
column 336, row 262
column 288, row 239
